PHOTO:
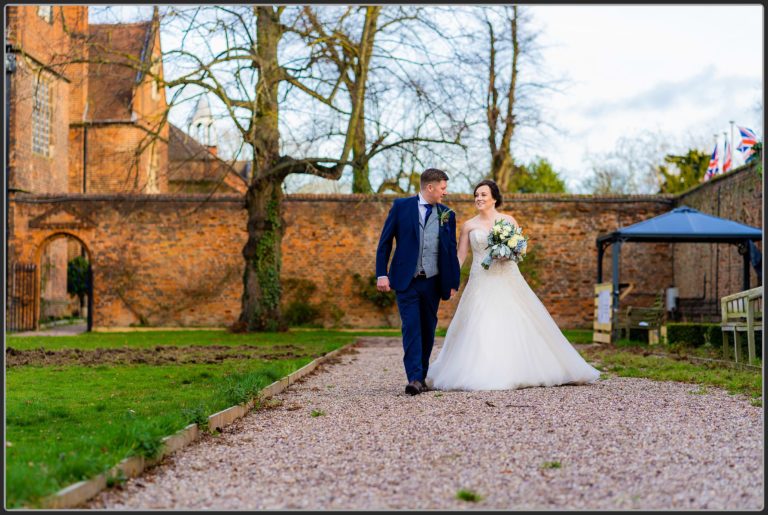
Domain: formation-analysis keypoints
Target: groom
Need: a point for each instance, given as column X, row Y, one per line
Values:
column 425, row 268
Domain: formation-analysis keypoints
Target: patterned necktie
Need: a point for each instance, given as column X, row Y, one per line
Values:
column 429, row 212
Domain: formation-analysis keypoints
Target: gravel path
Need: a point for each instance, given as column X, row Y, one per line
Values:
column 622, row 443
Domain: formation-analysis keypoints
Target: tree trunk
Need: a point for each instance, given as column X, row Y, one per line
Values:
column 361, row 182
column 502, row 164
column 501, row 171
column 261, row 279
column 260, row 309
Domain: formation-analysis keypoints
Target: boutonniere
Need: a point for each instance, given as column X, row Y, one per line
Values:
column 444, row 215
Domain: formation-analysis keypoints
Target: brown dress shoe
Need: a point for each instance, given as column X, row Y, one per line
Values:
column 424, row 387
column 414, row 387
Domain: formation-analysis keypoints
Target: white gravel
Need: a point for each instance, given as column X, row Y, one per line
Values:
column 622, row 443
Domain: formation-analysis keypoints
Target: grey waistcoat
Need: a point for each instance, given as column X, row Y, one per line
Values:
column 428, row 240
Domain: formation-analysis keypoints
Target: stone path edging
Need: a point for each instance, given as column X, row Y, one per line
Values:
column 77, row 493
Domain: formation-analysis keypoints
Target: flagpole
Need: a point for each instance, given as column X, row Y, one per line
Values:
column 733, row 150
column 725, row 153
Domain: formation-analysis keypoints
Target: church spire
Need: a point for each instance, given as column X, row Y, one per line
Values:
column 200, row 125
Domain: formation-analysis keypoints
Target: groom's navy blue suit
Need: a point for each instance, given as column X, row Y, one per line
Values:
column 417, row 299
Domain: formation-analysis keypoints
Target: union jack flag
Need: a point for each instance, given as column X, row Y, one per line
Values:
column 727, row 160
column 714, row 166
column 748, row 140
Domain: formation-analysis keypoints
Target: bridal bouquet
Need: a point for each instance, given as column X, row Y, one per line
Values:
column 505, row 241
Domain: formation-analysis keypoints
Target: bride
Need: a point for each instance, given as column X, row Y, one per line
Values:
column 501, row 336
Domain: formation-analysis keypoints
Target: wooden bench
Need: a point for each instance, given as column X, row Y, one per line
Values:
column 647, row 318
column 742, row 313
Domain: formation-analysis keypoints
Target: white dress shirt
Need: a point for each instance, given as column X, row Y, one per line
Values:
column 423, row 208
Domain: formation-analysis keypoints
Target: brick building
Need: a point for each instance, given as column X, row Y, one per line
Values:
column 79, row 121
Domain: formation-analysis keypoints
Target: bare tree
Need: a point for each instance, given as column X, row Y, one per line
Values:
column 497, row 58
column 500, row 137
column 632, row 166
column 245, row 58
column 400, row 62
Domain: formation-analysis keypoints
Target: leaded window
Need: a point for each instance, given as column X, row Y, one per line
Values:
column 41, row 118
column 45, row 12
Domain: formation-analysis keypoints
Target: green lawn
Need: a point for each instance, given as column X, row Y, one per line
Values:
column 635, row 359
column 68, row 423
column 144, row 339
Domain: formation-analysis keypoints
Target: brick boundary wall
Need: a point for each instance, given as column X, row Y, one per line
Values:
column 736, row 196
column 175, row 260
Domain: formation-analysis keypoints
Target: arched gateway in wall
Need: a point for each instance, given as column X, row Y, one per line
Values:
column 38, row 266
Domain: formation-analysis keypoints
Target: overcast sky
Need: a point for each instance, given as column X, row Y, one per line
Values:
column 682, row 70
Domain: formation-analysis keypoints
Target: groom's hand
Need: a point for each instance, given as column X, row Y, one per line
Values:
column 453, row 292
column 382, row 284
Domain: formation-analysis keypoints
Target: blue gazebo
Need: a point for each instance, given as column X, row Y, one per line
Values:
column 681, row 225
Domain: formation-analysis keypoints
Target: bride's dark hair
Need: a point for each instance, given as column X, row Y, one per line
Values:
column 495, row 193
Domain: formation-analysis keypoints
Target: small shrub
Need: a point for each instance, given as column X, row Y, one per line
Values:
column 77, row 277
column 197, row 416
column 115, row 479
column 240, row 388
column 467, row 495
column 297, row 310
column 692, row 334
column 300, row 313
column 551, row 465
column 143, row 438
column 367, row 290
column 317, row 413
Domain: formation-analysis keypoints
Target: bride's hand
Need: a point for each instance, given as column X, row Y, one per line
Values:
column 453, row 292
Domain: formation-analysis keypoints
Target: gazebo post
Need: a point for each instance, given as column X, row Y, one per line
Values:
column 615, row 279
column 745, row 282
column 600, row 252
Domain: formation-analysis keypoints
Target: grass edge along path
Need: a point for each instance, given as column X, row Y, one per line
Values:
column 45, row 401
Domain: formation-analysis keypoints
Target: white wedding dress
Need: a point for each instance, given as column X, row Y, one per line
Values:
column 502, row 337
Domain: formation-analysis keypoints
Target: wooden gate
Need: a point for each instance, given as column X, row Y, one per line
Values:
column 21, row 297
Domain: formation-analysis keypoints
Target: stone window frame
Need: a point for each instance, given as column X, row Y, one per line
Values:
column 42, row 115
column 154, row 164
column 46, row 13
column 155, row 87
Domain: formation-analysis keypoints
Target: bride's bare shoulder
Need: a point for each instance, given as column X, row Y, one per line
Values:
column 509, row 218
column 469, row 224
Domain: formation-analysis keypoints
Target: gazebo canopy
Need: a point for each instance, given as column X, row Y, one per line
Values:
column 685, row 224
column 681, row 225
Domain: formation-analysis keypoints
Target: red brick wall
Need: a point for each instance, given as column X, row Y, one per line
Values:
column 172, row 260
column 45, row 42
column 736, row 196
column 30, row 171
column 113, row 164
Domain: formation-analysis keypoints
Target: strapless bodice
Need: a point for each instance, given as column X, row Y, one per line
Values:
column 478, row 241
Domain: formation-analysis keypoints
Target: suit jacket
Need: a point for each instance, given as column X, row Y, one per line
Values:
column 402, row 225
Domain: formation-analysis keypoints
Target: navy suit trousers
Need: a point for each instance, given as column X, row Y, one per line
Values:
column 418, row 305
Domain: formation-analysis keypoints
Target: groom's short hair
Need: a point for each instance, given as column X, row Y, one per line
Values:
column 433, row 175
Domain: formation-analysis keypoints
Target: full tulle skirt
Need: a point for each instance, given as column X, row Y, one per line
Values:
column 502, row 337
